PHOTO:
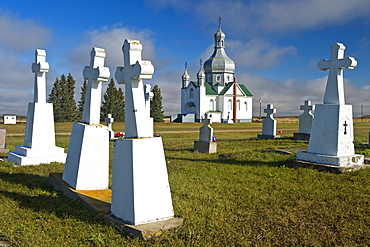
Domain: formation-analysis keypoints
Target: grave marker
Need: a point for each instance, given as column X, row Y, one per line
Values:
column 269, row 124
column 305, row 122
column 2, row 141
column 206, row 143
column 39, row 141
column 331, row 140
column 109, row 121
column 87, row 165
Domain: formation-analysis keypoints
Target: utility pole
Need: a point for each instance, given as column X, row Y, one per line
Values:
column 260, row 106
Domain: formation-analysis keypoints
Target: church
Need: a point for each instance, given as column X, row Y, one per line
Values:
column 216, row 92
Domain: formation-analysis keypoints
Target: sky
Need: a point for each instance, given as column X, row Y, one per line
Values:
column 275, row 44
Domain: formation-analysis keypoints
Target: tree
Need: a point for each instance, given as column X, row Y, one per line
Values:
column 156, row 105
column 81, row 102
column 62, row 97
column 113, row 103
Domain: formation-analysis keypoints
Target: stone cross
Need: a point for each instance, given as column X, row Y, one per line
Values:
column 40, row 67
column 109, row 120
column 334, row 92
column 95, row 73
column 138, row 122
column 269, row 110
column 305, row 119
column 206, row 131
column 307, row 107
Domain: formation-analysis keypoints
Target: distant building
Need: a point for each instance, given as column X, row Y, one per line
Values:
column 216, row 91
column 9, row 119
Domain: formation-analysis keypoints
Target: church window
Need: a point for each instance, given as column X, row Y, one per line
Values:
column 230, row 104
column 211, row 105
column 238, row 104
column 191, row 93
column 218, row 78
column 246, row 106
column 209, row 78
column 228, row 78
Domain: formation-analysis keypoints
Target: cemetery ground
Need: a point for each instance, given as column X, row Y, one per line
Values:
column 240, row 196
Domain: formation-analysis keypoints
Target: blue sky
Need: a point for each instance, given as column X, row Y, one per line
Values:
column 275, row 44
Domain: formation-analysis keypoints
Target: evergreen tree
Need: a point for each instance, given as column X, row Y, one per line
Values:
column 62, row 97
column 156, row 105
column 113, row 103
column 81, row 102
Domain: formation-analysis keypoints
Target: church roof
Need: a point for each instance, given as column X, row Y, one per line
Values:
column 211, row 91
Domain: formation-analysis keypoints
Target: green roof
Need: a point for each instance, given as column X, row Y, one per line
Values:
column 195, row 83
column 227, row 87
column 209, row 89
column 245, row 90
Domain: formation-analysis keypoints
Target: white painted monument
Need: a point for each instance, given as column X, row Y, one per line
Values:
column 305, row 121
column 269, row 124
column 206, row 143
column 87, row 165
column 140, row 188
column 39, row 141
column 109, row 121
column 331, row 140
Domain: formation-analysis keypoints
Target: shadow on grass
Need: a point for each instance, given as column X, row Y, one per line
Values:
column 47, row 200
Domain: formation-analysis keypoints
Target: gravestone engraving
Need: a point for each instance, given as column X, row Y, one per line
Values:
column 140, row 187
column 2, row 141
column 331, row 140
column 305, row 122
column 87, row 165
column 269, row 124
column 206, row 143
column 39, row 140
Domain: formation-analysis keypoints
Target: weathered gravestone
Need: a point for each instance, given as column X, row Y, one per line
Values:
column 140, row 187
column 2, row 141
column 109, row 121
column 269, row 124
column 206, row 143
column 305, row 122
column 331, row 141
column 87, row 165
column 39, row 141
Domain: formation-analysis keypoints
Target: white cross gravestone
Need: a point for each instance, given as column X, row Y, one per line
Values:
column 39, row 140
column 305, row 122
column 205, row 143
column 109, row 121
column 331, row 140
column 140, row 188
column 87, row 165
column 269, row 124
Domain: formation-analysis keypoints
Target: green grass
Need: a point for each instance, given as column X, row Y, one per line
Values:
column 248, row 198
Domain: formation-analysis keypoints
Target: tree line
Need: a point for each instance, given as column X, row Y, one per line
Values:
column 66, row 109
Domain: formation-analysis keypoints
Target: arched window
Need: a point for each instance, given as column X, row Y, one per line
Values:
column 218, row 78
column 246, row 106
column 238, row 105
column 211, row 105
column 230, row 104
column 191, row 93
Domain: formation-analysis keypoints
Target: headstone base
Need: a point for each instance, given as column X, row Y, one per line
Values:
column 87, row 165
column 294, row 163
column 268, row 136
column 99, row 201
column 4, row 150
column 205, row 147
column 34, row 156
column 341, row 161
column 301, row 136
column 140, row 188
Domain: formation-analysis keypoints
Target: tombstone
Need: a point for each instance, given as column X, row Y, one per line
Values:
column 206, row 143
column 331, row 141
column 87, row 165
column 140, row 188
column 2, row 141
column 109, row 121
column 39, row 140
column 305, row 122
column 269, row 124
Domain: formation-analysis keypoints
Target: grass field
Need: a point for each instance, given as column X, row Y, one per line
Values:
column 247, row 198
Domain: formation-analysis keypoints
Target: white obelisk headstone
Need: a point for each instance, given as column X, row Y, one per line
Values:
column 39, row 141
column 331, row 140
column 140, row 189
column 87, row 165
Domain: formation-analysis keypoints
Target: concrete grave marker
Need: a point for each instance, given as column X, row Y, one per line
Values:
column 269, row 124
column 39, row 141
column 2, row 141
column 206, row 143
column 87, row 165
column 140, row 188
column 305, row 122
column 109, row 121
column 331, row 140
